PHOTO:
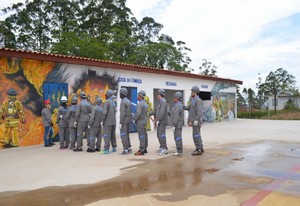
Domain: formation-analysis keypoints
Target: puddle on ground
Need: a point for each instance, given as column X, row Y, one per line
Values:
column 234, row 167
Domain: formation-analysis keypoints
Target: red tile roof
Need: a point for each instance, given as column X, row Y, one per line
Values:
column 104, row 63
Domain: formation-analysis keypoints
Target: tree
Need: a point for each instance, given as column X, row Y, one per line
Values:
column 249, row 95
column 208, row 69
column 101, row 29
column 241, row 102
column 277, row 82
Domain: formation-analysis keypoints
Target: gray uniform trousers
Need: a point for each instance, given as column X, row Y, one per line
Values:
column 178, row 139
column 197, row 137
column 113, row 138
column 73, row 136
column 143, row 136
column 95, row 133
column 161, row 135
column 108, row 132
column 82, row 128
column 64, row 136
column 124, row 133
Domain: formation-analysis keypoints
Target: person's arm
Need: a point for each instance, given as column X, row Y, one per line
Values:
column 58, row 115
column 92, row 118
column 122, row 112
column 138, row 112
column 175, row 115
column 162, row 111
column 199, row 109
column 77, row 113
column 48, row 117
column 105, row 111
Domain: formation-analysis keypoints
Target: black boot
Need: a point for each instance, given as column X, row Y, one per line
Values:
column 78, row 149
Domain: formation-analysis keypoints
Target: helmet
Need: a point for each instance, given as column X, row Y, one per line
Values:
column 109, row 93
column 12, row 92
column 123, row 91
column 98, row 100
column 82, row 94
column 195, row 89
column 142, row 93
column 161, row 92
column 178, row 95
column 47, row 102
column 74, row 99
column 64, row 99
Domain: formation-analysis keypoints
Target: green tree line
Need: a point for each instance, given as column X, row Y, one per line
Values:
column 101, row 29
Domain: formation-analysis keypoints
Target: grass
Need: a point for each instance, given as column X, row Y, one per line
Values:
column 293, row 114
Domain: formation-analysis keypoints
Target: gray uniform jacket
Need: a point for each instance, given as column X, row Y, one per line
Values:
column 62, row 122
column 109, row 113
column 96, row 117
column 195, row 110
column 141, row 113
column 70, row 115
column 125, row 111
column 177, row 115
column 83, row 111
column 162, row 111
column 46, row 116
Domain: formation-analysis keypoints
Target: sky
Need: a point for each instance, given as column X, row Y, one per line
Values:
column 243, row 38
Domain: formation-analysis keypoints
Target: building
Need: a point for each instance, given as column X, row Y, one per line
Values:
column 38, row 76
column 281, row 101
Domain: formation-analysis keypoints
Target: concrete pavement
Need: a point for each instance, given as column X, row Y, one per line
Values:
column 29, row 168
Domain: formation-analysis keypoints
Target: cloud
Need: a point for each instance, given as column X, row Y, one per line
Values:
column 242, row 37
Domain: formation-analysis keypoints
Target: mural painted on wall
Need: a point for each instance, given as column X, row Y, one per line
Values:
column 28, row 78
column 223, row 104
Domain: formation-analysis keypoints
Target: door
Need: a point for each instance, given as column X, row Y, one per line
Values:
column 132, row 96
column 53, row 92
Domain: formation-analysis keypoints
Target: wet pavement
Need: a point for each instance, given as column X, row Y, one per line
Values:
column 236, row 174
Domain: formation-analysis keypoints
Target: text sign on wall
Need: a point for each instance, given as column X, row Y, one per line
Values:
column 171, row 84
column 204, row 86
column 130, row 80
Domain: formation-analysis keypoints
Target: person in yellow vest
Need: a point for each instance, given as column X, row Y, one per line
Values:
column 10, row 113
column 150, row 108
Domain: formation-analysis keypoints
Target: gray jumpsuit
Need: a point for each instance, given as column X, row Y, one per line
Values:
column 195, row 114
column 96, row 128
column 70, row 116
column 177, row 122
column 109, row 123
column 83, row 112
column 125, row 119
column 141, row 119
column 63, row 125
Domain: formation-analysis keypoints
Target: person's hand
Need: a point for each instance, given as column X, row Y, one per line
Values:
column 120, row 126
column 75, row 124
column 51, row 124
column 89, row 127
column 173, row 129
column 157, row 122
column 61, row 116
column 23, row 121
column 196, row 123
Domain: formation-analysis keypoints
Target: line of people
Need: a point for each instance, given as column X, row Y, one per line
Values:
column 99, row 121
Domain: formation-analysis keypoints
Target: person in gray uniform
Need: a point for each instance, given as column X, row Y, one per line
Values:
column 109, row 123
column 125, row 119
column 63, row 124
column 141, row 118
column 82, row 117
column 70, row 116
column 177, row 122
column 161, row 114
column 195, row 118
column 95, row 126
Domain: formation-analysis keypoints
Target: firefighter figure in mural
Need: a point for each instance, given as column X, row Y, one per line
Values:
column 10, row 113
